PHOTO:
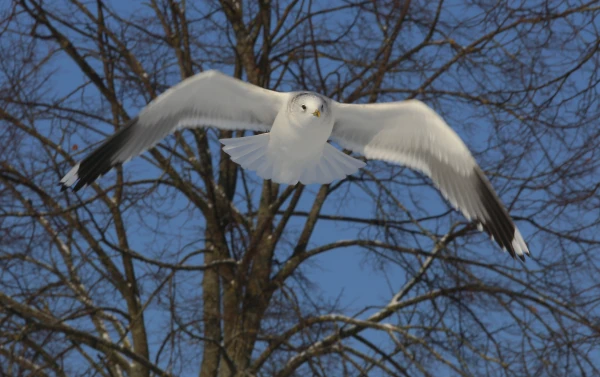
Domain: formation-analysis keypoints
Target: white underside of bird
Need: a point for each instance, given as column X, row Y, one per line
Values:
column 294, row 151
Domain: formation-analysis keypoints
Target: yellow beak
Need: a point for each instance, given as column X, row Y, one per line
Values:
column 317, row 113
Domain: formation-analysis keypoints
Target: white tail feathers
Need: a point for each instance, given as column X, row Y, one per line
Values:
column 333, row 164
column 249, row 152
column 253, row 153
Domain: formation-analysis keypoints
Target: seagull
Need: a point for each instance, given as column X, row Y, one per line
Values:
column 294, row 146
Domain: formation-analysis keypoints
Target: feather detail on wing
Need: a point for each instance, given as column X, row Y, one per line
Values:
column 206, row 99
column 412, row 134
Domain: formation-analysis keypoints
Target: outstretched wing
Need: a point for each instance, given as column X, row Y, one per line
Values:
column 208, row 98
column 412, row 134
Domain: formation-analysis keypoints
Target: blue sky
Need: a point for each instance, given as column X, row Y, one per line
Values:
column 351, row 275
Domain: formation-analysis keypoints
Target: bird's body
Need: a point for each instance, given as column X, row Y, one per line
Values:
column 300, row 135
column 296, row 149
column 298, row 141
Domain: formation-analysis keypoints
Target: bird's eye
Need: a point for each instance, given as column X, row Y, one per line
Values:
column 322, row 107
column 303, row 107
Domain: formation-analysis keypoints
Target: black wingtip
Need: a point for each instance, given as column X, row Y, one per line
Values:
column 101, row 160
column 500, row 226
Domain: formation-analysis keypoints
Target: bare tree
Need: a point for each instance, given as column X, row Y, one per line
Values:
column 183, row 264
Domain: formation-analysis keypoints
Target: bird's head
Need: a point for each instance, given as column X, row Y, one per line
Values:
column 310, row 107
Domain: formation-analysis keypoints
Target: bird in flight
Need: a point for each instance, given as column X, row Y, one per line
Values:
column 294, row 147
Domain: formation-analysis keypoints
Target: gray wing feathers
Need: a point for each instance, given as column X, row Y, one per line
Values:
column 209, row 98
column 412, row 134
column 212, row 98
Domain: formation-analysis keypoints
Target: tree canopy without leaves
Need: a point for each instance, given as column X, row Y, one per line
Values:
column 182, row 264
